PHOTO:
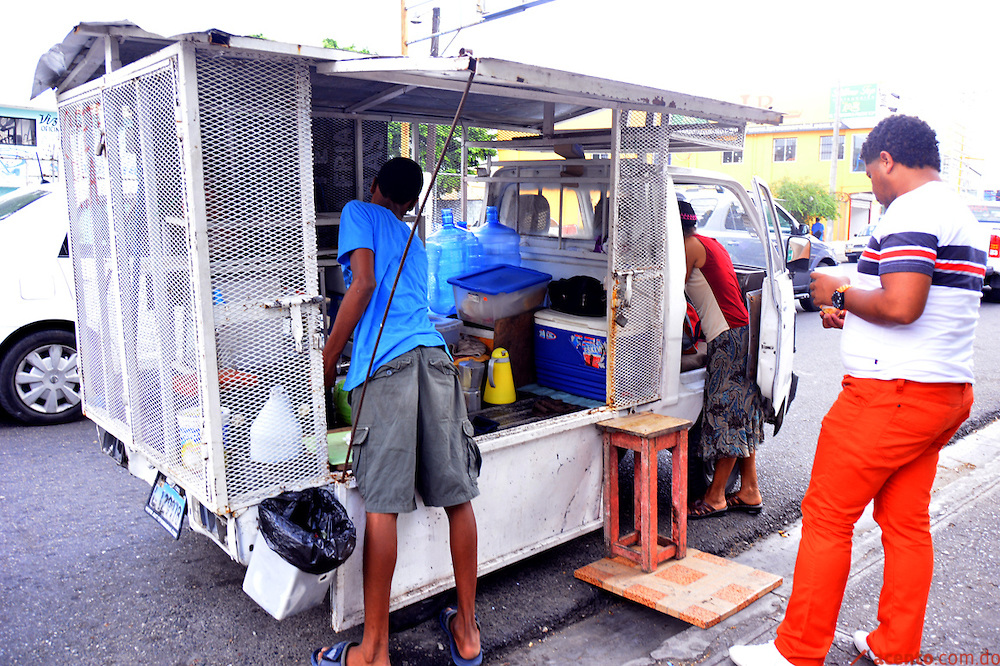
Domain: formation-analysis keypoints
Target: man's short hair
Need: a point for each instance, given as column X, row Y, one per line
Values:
column 909, row 140
column 400, row 180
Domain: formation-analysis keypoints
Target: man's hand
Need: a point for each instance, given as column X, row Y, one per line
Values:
column 832, row 317
column 823, row 285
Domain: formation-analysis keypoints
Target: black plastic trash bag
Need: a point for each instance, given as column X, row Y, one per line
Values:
column 308, row 528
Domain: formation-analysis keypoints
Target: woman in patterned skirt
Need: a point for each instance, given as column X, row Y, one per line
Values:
column 732, row 419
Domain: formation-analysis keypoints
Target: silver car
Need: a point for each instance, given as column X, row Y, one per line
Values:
column 721, row 216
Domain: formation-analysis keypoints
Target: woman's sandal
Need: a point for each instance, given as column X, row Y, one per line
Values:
column 734, row 503
column 702, row 509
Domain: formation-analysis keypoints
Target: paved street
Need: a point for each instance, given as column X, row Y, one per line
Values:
column 88, row 578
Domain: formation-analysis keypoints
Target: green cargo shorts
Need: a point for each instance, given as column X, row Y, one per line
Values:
column 414, row 435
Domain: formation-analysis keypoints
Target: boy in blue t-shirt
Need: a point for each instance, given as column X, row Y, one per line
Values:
column 413, row 433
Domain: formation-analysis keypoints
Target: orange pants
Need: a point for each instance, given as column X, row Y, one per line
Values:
column 880, row 441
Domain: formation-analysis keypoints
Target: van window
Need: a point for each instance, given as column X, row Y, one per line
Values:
column 567, row 210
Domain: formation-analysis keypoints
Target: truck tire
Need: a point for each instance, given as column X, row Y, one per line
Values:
column 40, row 380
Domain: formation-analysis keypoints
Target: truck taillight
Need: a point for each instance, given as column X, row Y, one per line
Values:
column 995, row 246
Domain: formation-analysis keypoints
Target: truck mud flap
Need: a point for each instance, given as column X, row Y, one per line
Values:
column 112, row 446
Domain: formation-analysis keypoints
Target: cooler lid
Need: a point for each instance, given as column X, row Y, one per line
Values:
column 500, row 279
column 568, row 322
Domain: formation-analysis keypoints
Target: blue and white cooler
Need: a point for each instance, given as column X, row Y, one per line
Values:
column 571, row 353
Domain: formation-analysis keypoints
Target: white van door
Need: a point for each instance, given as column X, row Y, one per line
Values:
column 776, row 343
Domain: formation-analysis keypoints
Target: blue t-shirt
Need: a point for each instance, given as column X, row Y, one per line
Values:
column 365, row 225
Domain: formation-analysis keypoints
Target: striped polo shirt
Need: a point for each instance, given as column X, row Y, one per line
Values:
column 928, row 230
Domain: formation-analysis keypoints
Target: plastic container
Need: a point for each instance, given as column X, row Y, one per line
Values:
column 279, row 587
column 497, row 292
column 500, row 244
column 275, row 434
column 189, row 433
column 571, row 353
column 448, row 327
column 449, row 253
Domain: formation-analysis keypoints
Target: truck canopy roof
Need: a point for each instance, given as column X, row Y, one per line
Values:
column 504, row 94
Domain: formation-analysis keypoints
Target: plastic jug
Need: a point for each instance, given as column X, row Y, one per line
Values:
column 447, row 256
column 275, row 435
column 501, row 244
column 499, row 379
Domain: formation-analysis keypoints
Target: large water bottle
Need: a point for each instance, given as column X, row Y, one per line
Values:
column 500, row 244
column 447, row 252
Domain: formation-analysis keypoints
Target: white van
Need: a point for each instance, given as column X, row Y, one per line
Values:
column 988, row 215
column 217, row 154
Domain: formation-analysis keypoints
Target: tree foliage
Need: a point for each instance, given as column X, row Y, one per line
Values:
column 452, row 163
column 332, row 44
column 806, row 200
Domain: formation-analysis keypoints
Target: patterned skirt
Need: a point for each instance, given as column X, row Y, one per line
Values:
column 733, row 417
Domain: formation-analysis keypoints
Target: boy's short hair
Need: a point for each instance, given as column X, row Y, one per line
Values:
column 909, row 140
column 400, row 180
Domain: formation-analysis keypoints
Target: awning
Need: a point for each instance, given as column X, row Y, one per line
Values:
column 504, row 94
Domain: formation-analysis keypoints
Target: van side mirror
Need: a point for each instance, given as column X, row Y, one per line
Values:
column 797, row 253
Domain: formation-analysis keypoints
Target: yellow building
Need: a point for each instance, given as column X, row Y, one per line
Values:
column 801, row 147
column 802, row 153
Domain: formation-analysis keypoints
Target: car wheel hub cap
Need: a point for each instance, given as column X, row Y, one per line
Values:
column 47, row 380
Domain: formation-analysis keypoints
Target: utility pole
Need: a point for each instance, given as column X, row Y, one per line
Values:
column 834, row 159
column 432, row 133
column 836, row 141
column 402, row 27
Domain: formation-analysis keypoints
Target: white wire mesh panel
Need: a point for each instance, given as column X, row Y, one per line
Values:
column 155, row 278
column 335, row 164
column 98, row 332
column 638, row 255
column 717, row 134
column 257, row 156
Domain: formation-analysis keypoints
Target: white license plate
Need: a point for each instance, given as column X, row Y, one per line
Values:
column 167, row 505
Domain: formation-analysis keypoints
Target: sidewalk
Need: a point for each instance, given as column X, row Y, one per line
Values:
column 961, row 625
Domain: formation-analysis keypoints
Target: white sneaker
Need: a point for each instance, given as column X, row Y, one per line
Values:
column 861, row 642
column 757, row 655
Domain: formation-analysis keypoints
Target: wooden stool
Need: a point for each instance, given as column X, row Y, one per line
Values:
column 646, row 435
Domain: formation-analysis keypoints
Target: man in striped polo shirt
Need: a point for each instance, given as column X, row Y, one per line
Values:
column 909, row 319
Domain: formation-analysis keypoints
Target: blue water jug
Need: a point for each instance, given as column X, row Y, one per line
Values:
column 500, row 244
column 447, row 255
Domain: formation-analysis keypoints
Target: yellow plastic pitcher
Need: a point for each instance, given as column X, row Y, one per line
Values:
column 499, row 379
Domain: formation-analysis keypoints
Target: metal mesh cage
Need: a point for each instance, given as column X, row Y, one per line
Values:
column 708, row 133
column 335, row 166
column 638, row 253
column 256, row 148
column 98, row 331
column 199, row 312
column 155, row 287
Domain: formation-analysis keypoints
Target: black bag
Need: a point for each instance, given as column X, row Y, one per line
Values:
column 579, row 295
column 308, row 528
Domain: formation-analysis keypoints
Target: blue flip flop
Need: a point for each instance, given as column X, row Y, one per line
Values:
column 335, row 656
column 445, row 619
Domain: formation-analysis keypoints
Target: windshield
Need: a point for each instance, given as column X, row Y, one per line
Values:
column 15, row 201
column 986, row 213
column 721, row 215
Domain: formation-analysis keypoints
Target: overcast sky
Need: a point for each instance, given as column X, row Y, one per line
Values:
column 942, row 61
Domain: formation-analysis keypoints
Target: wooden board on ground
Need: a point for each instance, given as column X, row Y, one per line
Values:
column 701, row 589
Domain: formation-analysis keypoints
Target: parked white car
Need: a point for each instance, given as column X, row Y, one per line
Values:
column 39, row 379
column 857, row 244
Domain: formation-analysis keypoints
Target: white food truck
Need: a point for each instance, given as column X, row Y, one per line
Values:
column 205, row 174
